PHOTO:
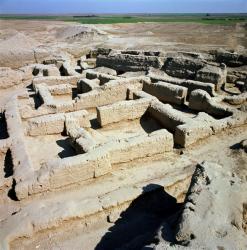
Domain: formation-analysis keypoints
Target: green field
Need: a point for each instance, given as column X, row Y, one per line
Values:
column 111, row 19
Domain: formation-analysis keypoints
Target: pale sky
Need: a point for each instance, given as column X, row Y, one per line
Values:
column 121, row 6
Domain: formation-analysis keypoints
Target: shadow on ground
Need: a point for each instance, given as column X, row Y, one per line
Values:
column 68, row 150
column 149, row 124
column 3, row 127
column 138, row 225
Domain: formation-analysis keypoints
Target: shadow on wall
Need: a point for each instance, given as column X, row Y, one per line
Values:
column 8, row 164
column 138, row 225
column 149, row 124
column 37, row 100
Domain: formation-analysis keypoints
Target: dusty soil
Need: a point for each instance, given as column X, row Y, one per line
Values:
column 166, row 35
column 60, row 36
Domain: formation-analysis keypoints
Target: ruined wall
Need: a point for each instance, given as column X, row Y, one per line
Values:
column 122, row 111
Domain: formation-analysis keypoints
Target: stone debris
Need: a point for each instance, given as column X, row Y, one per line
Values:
column 236, row 99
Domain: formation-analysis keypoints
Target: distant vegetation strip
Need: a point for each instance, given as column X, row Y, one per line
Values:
column 105, row 19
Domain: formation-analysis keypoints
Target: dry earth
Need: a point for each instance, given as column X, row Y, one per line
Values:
column 139, row 145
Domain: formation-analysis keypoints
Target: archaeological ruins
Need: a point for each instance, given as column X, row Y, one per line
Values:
column 128, row 123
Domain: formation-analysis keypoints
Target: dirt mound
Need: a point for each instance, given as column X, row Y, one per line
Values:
column 17, row 50
column 9, row 77
column 77, row 32
column 18, row 41
column 6, row 34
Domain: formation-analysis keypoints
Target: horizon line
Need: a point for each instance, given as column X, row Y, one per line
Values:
column 117, row 13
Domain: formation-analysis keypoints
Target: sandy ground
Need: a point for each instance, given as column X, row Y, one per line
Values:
column 59, row 36
column 200, row 36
